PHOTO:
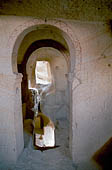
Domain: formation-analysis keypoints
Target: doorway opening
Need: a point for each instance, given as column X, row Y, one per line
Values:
column 43, row 73
column 56, row 105
column 47, row 74
column 43, row 127
column 37, row 123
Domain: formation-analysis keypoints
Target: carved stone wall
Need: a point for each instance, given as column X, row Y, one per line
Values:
column 89, row 77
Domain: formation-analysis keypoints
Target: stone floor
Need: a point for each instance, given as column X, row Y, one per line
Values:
column 49, row 160
column 52, row 159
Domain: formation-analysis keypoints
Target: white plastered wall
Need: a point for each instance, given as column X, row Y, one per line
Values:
column 92, row 109
column 11, row 128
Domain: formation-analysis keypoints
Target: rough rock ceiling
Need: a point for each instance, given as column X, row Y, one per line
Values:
column 89, row 10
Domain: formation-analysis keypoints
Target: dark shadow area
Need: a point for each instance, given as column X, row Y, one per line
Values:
column 103, row 157
column 110, row 23
column 42, row 43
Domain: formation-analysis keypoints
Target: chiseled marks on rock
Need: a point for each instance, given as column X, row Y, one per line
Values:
column 72, row 9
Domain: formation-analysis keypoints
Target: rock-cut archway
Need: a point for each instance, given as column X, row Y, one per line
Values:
column 73, row 55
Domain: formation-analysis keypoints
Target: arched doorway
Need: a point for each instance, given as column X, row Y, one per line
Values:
column 55, row 96
column 64, row 40
column 55, row 100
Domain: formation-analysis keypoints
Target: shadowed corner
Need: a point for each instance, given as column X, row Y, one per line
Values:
column 110, row 21
column 103, row 157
